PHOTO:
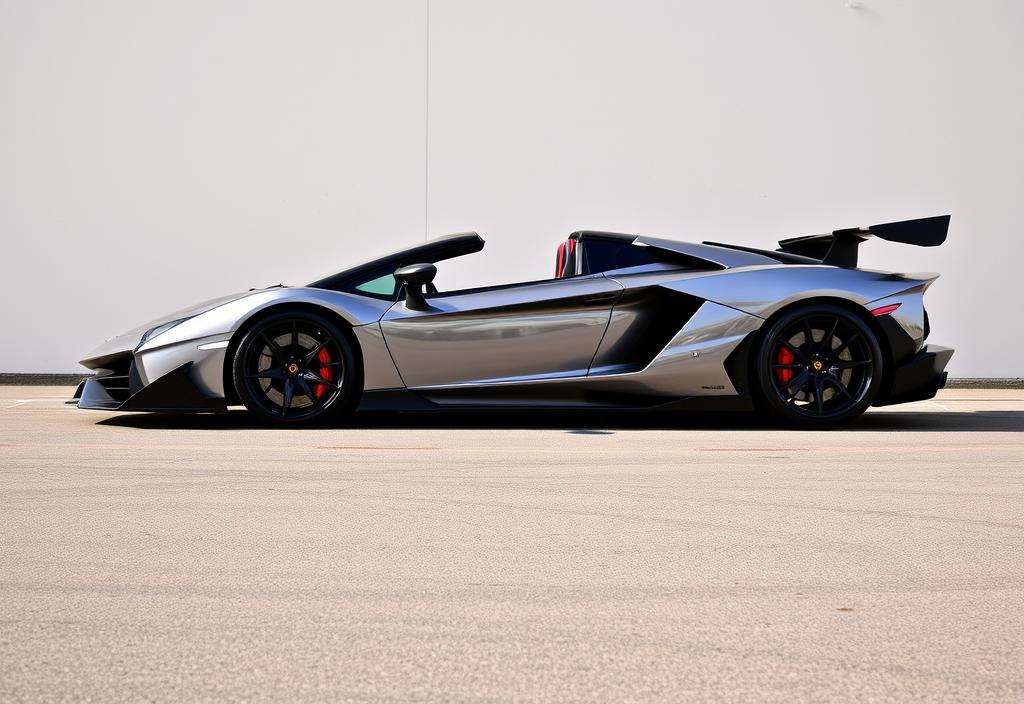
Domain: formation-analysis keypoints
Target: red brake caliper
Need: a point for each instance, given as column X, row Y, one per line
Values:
column 784, row 357
column 327, row 372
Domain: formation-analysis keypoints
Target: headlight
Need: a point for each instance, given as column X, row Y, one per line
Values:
column 159, row 330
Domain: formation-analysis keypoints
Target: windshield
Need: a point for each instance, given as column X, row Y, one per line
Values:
column 375, row 278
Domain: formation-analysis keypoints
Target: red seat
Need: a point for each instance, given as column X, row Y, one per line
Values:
column 565, row 260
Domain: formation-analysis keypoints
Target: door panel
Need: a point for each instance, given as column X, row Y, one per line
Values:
column 523, row 331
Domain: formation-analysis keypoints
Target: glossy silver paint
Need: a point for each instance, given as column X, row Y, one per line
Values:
column 207, row 365
column 910, row 314
column 380, row 372
column 763, row 290
column 529, row 331
column 693, row 363
column 127, row 342
column 555, row 333
column 220, row 321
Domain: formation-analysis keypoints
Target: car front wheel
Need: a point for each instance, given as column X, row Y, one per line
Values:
column 295, row 367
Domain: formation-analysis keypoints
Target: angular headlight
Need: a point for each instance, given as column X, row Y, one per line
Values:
column 159, row 330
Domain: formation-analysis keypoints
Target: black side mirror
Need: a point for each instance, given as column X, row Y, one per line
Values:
column 413, row 278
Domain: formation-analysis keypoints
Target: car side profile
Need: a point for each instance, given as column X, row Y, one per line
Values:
column 627, row 321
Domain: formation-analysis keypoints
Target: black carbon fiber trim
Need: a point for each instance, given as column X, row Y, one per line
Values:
column 900, row 342
column 919, row 378
column 174, row 391
column 739, row 362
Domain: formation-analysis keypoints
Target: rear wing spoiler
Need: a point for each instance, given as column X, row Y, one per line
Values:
column 839, row 248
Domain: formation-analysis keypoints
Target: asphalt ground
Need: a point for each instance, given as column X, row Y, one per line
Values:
column 523, row 557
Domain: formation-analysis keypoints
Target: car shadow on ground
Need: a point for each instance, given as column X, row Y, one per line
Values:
column 589, row 422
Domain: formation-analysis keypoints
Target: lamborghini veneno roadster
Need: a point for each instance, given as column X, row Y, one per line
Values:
column 627, row 321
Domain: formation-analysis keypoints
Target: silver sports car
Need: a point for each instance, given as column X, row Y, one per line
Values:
column 627, row 321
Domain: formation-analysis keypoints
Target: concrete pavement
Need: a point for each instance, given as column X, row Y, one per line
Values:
column 521, row 557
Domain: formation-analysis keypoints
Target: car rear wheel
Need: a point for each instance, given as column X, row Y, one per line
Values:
column 819, row 367
column 295, row 367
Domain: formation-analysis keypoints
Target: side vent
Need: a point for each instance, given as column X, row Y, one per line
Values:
column 643, row 322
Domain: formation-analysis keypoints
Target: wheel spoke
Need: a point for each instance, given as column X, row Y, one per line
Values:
column 838, row 350
column 808, row 336
column 274, row 349
column 313, row 352
column 819, row 392
column 838, row 384
column 826, row 342
column 799, row 381
column 310, row 375
column 794, row 349
column 289, row 393
column 842, row 364
column 308, row 391
column 267, row 374
column 295, row 336
column 787, row 366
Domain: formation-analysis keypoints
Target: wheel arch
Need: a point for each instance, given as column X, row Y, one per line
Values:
column 851, row 307
column 345, row 326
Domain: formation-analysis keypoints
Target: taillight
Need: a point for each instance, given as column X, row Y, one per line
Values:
column 885, row 310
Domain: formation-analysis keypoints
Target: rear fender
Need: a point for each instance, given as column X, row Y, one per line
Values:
column 763, row 291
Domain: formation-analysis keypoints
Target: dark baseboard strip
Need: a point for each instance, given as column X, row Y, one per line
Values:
column 41, row 379
column 971, row 383
column 74, row 379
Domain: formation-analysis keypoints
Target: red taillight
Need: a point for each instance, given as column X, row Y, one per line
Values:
column 885, row 310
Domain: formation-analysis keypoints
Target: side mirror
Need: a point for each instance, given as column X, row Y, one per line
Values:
column 414, row 277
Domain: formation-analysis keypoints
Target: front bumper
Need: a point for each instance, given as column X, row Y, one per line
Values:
column 176, row 391
column 917, row 379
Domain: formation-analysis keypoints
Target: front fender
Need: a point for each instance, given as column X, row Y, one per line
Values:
column 204, row 339
column 222, row 322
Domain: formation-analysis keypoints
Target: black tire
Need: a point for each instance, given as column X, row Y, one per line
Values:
column 818, row 366
column 296, row 368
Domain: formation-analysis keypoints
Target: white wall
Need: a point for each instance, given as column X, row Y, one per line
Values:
column 136, row 136
column 157, row 153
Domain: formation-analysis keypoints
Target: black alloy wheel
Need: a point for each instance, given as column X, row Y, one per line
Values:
column 295, row 367
column 819, row 367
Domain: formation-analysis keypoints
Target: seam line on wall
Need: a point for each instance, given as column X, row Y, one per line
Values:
column 426, row 133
